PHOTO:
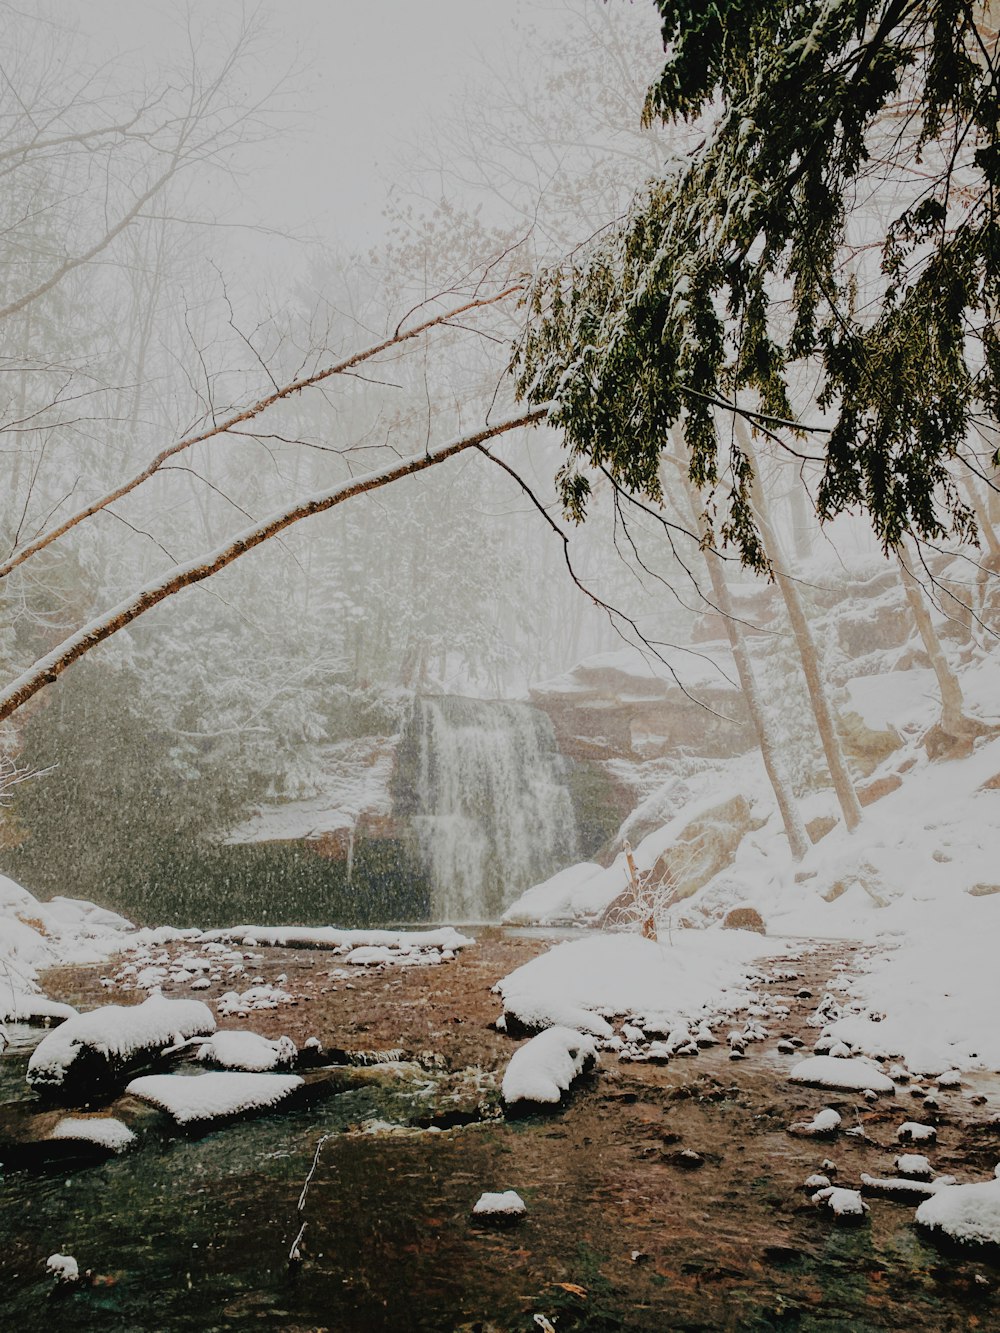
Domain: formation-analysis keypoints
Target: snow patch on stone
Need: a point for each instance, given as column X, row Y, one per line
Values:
column 247, row 1051
column 966, row 1213
column 116, row 1033
column 545, row 1067
column 103, row 1130
column 192, row 1098
column 855, row 1075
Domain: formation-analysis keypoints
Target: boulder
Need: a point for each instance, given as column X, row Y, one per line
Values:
column 703, row 848
column 874, row 791
column 866, row 747
column 744, row 918
column 819, row 827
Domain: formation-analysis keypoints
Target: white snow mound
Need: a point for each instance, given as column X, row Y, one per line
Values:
column 507, row 1204
column 191, row 1098
column 967, row 1213
column 117, row 1033
column 101, row 1129
column 857, row 1075
column 544, row 1068
column 248, row 1051
column 580, row 983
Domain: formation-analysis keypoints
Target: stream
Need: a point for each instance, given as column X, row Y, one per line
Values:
column 194, row 1231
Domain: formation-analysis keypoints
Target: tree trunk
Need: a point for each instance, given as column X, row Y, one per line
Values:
column 952, row 702
column 798, row 839
column 955, row 732
column 806, row 645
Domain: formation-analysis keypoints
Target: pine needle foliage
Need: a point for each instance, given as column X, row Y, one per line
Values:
column 839, row 215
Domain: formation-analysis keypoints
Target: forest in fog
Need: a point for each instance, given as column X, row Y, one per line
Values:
column 189, row 370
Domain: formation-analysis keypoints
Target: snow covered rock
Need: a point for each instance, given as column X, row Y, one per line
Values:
column 248, row 1051
column 505, row 1207
column 193, row 1099
column 906, row 1187
column 913, row 1164
column 825, row 1071
column 545, row 1067
column 911, row 1131
column 63, row 1267
column 97, row 1047
column 21, row 1008
column 399, row 943
column 846, row 1205
column 102, row 1130
column 824, row 1124
column 966, row 1213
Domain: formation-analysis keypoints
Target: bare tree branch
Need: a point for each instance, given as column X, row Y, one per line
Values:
column 47, row 669
column 248, row 414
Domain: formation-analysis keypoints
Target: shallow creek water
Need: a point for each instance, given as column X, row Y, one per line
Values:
column 194, row 1232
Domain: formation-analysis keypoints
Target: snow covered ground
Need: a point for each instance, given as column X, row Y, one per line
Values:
column 918, row 884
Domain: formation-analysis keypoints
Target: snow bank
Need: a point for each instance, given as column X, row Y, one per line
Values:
column 248, row 1051
column 966, row 1213
column 545, row 1067
column 98, row 1044
column 400, row 942
column 578, row 891
column 607, row 975
column 189, row 1099
column 35, row 935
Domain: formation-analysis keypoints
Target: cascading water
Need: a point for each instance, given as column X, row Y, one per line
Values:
column 493, row 811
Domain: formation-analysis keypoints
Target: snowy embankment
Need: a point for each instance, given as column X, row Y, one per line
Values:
column 660, row 985
column 36, row 935
column 918, row 882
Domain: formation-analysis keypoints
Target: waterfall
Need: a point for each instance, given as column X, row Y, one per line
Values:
column 493, row 814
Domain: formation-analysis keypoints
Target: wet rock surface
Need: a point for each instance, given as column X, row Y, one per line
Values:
column 686, row 1164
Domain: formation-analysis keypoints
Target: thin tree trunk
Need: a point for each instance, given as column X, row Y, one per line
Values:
column 953, row 719
column 806, row 645
column 798, row 839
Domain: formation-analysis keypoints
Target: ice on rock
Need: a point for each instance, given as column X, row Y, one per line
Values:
column 966, row 1213
column 853, row 1075
column 189, row 1099
column 545, row 1067
column 104, row 1040
column 248, row 1051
